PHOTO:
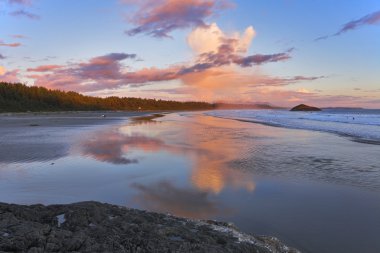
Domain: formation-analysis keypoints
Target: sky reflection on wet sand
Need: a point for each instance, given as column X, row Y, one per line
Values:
column 282, row 182
column 208, row 153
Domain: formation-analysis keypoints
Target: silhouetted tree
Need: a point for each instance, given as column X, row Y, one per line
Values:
column 17, row 97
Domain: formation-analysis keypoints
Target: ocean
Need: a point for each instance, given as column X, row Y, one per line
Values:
column 360, row 124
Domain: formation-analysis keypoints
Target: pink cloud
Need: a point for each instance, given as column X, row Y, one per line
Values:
column 103, row 67
column 159, row 18
column 227, row 55
column 99, row 73
column 370, row 19
column 259, row 59
column 288, row 98
column 21, row 2
column 44, row 68
column 217, row 49
column 211, row 75
column 23, row 13
column 19, row 36
column 232, row 85
column 8, row 76
column 282, row 81
column 3, row 44
column 214, row 84
column 107, row 72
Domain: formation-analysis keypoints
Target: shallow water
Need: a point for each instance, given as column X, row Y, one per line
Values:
column 361, row 124
column 316, row 191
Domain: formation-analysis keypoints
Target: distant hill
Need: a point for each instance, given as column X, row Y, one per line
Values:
column 244, row 106
column 305, row 108
column 22, row 98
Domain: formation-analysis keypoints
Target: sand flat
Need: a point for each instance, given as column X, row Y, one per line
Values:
column 304, row 187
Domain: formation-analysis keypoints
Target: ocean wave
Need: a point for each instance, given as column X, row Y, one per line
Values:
column 363, row 125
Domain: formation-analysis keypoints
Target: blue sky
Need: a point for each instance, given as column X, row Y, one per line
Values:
column 213, row 50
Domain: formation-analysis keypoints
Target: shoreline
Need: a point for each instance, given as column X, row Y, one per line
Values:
column 351, row 137
column 98, row 227
column 32, row 113
column 74, row 119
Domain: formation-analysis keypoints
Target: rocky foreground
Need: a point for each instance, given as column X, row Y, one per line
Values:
column 96, row 227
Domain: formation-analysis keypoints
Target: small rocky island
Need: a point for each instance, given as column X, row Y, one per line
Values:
column 305, row 108
column 97, row 227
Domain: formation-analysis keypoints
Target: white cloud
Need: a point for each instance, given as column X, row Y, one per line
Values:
column 208, row 39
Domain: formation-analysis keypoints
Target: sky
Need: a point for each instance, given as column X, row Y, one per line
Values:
column 282, row 52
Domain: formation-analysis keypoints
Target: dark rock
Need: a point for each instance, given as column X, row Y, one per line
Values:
column 96, row 227
column 305, row 108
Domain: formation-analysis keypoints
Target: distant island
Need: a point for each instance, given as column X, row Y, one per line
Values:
column 305, row 108
column 16, row 97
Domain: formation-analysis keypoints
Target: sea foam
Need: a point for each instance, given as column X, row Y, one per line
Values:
column 363, row 125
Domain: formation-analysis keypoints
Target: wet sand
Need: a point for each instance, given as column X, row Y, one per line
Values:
column 315, row 191
column 63, row 119
column 27, row 137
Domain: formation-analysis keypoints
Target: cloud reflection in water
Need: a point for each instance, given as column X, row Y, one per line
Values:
column 200, row 140
column 114, row 145
column 210, row 170
column 164, row 196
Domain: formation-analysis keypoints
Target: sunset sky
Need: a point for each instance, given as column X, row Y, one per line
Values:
column 285, row 52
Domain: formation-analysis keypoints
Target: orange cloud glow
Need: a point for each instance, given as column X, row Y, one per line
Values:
column 3, row 44
column 8, row 76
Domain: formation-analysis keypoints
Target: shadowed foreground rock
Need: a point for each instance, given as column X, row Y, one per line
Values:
column 96, row 227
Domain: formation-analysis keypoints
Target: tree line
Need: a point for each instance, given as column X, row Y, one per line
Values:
column 17, row 97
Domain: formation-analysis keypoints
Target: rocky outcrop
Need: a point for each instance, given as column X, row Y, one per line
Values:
column 96, row 227
column 305, row 108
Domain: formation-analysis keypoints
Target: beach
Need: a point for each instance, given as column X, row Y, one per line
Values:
column 315, row 191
